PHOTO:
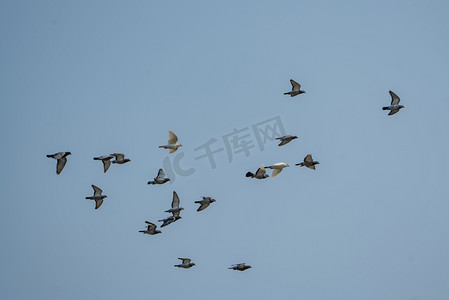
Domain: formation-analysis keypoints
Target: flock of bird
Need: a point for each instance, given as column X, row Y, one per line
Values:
column 173, row 146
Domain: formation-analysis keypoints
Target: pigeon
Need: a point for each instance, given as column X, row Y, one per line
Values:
column 240, row 267
column 296, row 89
column 204, row 203
column 277, row 168
column 175, row 205
column 62, row 160
column 308, row 162
column 160, row 179
column 170, row 219
column 151, row 229
column 185, row 263
column 106, row 159
column 394, row 107
column 286, row 139
column 98, row 197
column 172, row 139
column 120, row 159
column 260, row 173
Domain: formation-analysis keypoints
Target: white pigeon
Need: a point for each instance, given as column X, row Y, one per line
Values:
column 394, row 107
column 172, row 140
column 61, row 157
column 277, row 168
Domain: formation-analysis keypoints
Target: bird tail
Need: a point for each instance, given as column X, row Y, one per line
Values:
column 286, row 93
column 249, row 174
column 88, row 198
column 151, row 182
column 162, row 147
column 200, row 201
column 49, row 156
column 385, row 108
column 269, row 167
column 300, row 164
column 96, row 158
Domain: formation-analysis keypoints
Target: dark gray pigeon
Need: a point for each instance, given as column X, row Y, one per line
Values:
column 296, row 89
column 175, row 204
column 106, row 159
column 204, row 203
column 240, row 267
column 308, row 162
column 286, row 139
column 98, row 197
column 185, row 263
column 260, row 173
column 170, row 219
column 119, row 158
column 151, row 229
column 394, row 107
column 61, row 157
column 160, row 179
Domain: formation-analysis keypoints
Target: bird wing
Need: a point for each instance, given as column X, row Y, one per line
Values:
column 60, row 165
column 394, row 98
column 185, row 261
column 295, row 86
column 98, row 203
column 260, row 171
column 97, row 190
column 393, row 111
column 118, row 156
column 172, row 138
column 172, row 150
column 284, row 141
column 176, row 213
column 175, row 202
column 312, row 167
column 150, row 225
column 106, row 164
column 161, row 174
column 203, row 206
column 276, row 172
column 308, row 158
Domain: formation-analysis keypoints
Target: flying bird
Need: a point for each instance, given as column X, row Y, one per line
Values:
column 175, row 205
column 286, row 139
column 260, row 173
column 120, row 158
column 296, row 89
column 172, row 140
column 160, row 179
column 277, row 168
column 185, row 263
column 151, row 229
column 308, row 162
column 106, row 159
column 204, row 203
column 394, row 107
column 61, row 157
column 171, row 219
column 98, row 197
column 240, row 267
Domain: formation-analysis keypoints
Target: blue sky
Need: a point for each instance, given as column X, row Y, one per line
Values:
column 113, row 76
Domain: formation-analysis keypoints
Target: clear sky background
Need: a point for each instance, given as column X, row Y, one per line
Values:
column 97, row 77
